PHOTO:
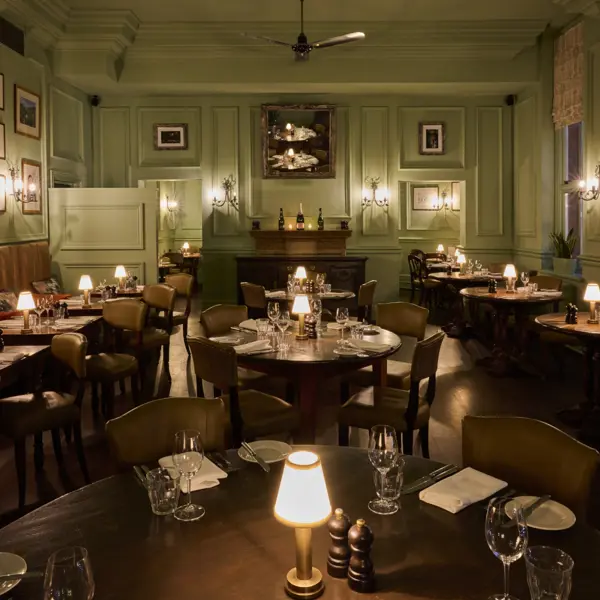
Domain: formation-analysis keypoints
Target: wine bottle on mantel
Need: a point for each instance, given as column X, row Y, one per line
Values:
column 281, row 224
column 320, row 221
column 300, row 220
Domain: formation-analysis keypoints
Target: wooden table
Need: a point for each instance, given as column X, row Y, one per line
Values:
column 308, row 363
column 137, row 293
column 26, row 370
column 43, row 336
column 339, row 295
column 239, row 551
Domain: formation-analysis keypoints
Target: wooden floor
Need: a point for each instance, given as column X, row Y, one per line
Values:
column 463, row 389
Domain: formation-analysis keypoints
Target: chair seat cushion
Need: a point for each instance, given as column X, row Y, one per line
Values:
column 398, row 375
column 264, row 414
column 179, row 318
column 375, row 405
column 151, row 338
column 33, row 413
column 110, row 367
column 432, row 283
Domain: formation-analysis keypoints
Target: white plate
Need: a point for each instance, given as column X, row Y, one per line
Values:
column 550, row 516
column 372, row 330
column 270, row 451
column 346, row 351
column 9, row 564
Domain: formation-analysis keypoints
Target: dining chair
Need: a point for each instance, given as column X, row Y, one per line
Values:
column 33, row 414
column 366, row 297
column 146, row 433
column 255, row 299
column 404, row 410
column 533, row 457
column 252, row 413
column 220, row 318
column 419, row 280
column 547, row 282
column 184, row 288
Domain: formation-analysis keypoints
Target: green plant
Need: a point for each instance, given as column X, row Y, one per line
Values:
column 563, row 246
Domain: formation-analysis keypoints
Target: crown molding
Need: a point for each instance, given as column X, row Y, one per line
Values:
column 590, row 8
column 42, row 20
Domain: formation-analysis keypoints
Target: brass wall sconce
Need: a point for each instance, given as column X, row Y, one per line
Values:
column 15, row 186
column 373, row 194
column 590, row 190
column 229, row 197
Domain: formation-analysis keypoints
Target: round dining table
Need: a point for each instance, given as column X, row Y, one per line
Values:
column 240, row 551
column 285, row 295
column 307, row 363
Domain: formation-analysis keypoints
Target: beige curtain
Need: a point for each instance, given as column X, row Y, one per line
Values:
column 568, row 78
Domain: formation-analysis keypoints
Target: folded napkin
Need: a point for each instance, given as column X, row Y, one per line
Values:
column 256, row 346
column 276, row 294
column 226, row 339
column 552, row 293
column 208, row 476
column 9, row 357
column 248, row 324
column 333, row 294
column 461, row 490
column 370, row 346
column 334, row 326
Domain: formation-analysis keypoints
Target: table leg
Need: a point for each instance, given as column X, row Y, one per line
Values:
column 499, row 362
column 380, row 372
column 574, row 417
column 590, row 428
column 307, row 401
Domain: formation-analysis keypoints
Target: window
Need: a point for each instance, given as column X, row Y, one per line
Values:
column 572, row 173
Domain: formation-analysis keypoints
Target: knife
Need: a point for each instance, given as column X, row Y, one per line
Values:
column 433, row 477
column 265, row 467
column 140, row 475
column 529, row 510
column 18, row 576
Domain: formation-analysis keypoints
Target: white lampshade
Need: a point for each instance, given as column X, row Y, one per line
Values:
column 301, row 305
column 186, row 246
column 457, row 253
column 300, row 273
column 461, row 259
column 592, row 293
column 440, row 248
column 302, row 500
column 26, row 301
column 510, row 271
column 120, row 271
column 85, row 283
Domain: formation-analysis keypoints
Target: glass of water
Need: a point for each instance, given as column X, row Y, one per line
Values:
column 262, row 328
column 548, row 573
column 163, row 491
column 388, row 486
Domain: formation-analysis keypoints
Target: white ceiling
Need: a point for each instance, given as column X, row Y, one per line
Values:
column 327, row 10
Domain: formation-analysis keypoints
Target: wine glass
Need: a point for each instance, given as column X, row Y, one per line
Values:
column 525, row 278
column 273, row 311
column 320, row 281
column 283, row 322
column 342, row 316
column 69, row 575
column 188, row 454
column 38, row 310
column 383, row 454
column 316, row 306
column 506, row 536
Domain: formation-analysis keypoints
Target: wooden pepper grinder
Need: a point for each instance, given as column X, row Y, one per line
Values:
column 361, row 575
column 339, row 552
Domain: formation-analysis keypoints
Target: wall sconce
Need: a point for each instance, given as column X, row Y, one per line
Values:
column 373, row 194
column 15, row 187
column 590, row 190
column 229, row 197
column 443, row 203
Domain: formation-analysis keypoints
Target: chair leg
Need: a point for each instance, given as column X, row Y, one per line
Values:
column 343, row 435
column 56, row 444
column 21, row 467
column 122, row 387
column 424, row 435
column 80, row 452
column 95, row 399
column 185, row 337
column 135, row 394
column 38, row 451
column 407, row 442
column 344, row 391
column 412, row 293
column 108, row 400
column 421, row 296
column 166, row 355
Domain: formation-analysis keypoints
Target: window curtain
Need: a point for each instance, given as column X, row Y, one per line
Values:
column 568, row 78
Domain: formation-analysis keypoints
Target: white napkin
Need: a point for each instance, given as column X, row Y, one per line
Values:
column 207, row 477
column 9, row 357
column 248, row 324
column 333, row 294
column 334, row 326
column 372, row 346
column 551, row 293
column 461, row 490
column 276, row 294
column 256, row 346
column 226, row 339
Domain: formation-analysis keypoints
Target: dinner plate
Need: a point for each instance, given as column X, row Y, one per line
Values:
column 346, row 351
column 270, row 451
column 371, row 330
column 9, row 564
column 550, row 516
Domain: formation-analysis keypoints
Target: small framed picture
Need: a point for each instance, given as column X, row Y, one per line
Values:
column 431, row 138
column 28, row 113
column 31, row 171
column 171, row 136
column 2, row 141
column 425, row 197
column 2, row 193
column 1, row 91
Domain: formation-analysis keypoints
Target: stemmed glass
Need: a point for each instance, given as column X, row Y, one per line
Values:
column 273, row 312
column 188, row 454
column 506, row 536
column 39, row 310
column 320, row 281
column 383, row 454
column 342, row 316
column 525, row 278
column 283, row 322
column 69, row 575
column 316, row 306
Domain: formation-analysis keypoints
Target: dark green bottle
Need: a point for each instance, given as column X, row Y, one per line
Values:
column 320, row 221
column 281, row 220
column 300, row 220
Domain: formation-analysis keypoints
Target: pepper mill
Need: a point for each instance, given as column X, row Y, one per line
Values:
column 65, row 308
column 339, row 552
column 574, row 319
column 569, row 314
column 361, row 575
column 492, row 286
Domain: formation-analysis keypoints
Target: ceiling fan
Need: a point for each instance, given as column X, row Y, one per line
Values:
column 302, row 48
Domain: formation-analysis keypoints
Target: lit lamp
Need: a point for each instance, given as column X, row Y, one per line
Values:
column 85, row 285
column 120, row 274
column 303, row 503
column 511, row 277
column 592, row 295
column 461, row 260
column 300, row 275
column 25, row 304
column 301, row 308
column 186, row 247
column 440, row 248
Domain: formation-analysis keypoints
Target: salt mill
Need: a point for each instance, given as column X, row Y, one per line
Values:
column 361, row 575
column 339, row 552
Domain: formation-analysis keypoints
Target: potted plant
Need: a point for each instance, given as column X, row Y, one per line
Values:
column 564, row 263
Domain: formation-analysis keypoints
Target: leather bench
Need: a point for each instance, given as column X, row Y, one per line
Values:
column 20, row 264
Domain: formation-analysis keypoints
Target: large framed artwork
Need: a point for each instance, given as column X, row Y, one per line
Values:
column 32, row 187
column 28, row 113
column 431, row 138
column 425, row 197
column 298, row 141
column 170, row 136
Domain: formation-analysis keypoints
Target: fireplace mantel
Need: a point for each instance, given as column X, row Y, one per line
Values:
column 301, row 243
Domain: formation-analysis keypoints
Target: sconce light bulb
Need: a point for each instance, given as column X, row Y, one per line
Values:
column 581, row 183
column 18, row 185
column 289, row 126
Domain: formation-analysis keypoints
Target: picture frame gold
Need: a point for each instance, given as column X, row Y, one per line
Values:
column 28, row 113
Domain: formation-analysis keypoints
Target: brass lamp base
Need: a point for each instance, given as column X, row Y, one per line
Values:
column 304, row 588
column 26, row 331
column 592, row 321
column 301, row 336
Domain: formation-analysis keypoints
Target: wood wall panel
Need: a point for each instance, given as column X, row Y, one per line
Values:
column 525, row 169
column 114, row 147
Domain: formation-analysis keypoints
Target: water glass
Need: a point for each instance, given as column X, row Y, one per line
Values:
column 163, row 491
column 69, row 575
column 388, row 486
column 548, row 573
column 262, row 328
column 327, row 288
column 525, row 278
column 357, row 332
column 383, row 455
column 485, row 271
column 285, row 341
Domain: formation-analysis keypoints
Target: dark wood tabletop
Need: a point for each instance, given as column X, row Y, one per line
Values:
column 459, row 277
column 238, row 550
column 334, row 295
column 24, row 368
column 582, row 329
column 503, row 296
column 41, row 336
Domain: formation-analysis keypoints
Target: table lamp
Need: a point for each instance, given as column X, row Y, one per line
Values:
column 85, row 285
column 440, row 248
column 461, row 261
column 185, row 248
column 301, row 308
column 300, row 275
column 25, row 304
column 511, row 277
column 592, row 295
column 120, row 274
column 303, row 503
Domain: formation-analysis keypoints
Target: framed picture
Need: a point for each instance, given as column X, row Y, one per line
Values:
column 1, row 91
column 170, row 136
column 28, row 113
column 431, row 138
column 2, row 193
column 425, row 197
column 31, row 172
column 2, row 141
column 298, row 141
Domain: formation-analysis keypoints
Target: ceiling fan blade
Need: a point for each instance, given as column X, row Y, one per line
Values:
column 267, row 39
column 340, row 39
